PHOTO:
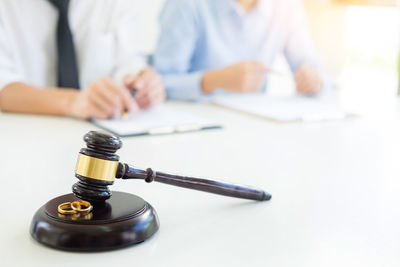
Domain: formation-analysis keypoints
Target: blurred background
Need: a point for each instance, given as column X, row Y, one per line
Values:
column 357, row 40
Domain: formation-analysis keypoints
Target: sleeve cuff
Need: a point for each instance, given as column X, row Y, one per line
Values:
column 185, row 86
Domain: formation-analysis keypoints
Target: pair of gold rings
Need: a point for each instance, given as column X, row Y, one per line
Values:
column 77, row 207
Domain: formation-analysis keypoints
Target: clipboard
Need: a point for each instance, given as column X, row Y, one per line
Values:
column 160, row 120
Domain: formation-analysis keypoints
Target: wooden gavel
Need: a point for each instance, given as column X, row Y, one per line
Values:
column 98, row 166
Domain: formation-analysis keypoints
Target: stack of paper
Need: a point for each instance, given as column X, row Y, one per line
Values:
column 288, row 109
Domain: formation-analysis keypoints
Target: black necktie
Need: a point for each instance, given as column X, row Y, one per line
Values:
column 67, row 67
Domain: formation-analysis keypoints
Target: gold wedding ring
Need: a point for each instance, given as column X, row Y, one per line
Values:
column 66, row 208
column 82, row 207
column 76, row 208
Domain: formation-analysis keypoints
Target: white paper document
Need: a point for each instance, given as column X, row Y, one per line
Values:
column 158, row 120
column 284, row 109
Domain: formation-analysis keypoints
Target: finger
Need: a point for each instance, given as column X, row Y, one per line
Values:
column 255, row 83
column 308, row 82
column 134, row 107
column 97, row 98
column 153, row 96
column 152, row 101
column 126, row 97
column 299, row 85
column 301, row 88
column 107, row 94
column 309, row 87
column 97, row 112
column 128, row 81
column 159, row 98
column 313, row 87
column 151, row 92
column 143, row 101
column 299, row 80
column 119, row 107
column 143, row 79
column 318, row 85
column 153, row 85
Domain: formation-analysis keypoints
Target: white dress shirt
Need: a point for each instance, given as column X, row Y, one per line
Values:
column 106, row 36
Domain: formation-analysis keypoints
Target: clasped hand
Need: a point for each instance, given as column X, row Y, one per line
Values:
column 249, row 76
column 103, row 99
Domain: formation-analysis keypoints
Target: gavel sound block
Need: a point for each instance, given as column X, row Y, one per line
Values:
column 118, row 219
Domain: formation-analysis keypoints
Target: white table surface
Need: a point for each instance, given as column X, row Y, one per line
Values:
column 335, row 188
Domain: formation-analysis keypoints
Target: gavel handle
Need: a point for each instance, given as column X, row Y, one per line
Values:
column 221, row 188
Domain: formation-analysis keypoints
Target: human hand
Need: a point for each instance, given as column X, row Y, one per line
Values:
column 102, row 100
column 243, row 77
column 307, row 80
column 149, row 88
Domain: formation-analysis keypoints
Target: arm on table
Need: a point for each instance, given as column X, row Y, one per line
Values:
column 243, row 77
column 23, row 98
column 100, row 100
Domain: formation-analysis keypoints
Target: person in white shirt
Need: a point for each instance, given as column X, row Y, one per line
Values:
column 51, row 48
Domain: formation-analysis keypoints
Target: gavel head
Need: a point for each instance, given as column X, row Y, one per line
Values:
column 96, row 167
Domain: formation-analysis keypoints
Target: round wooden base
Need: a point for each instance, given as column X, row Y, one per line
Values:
column 123, row 220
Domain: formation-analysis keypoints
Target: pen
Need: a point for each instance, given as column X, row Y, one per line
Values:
column 125, row 114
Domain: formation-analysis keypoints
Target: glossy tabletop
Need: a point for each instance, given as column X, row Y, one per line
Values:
column 335, row 191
